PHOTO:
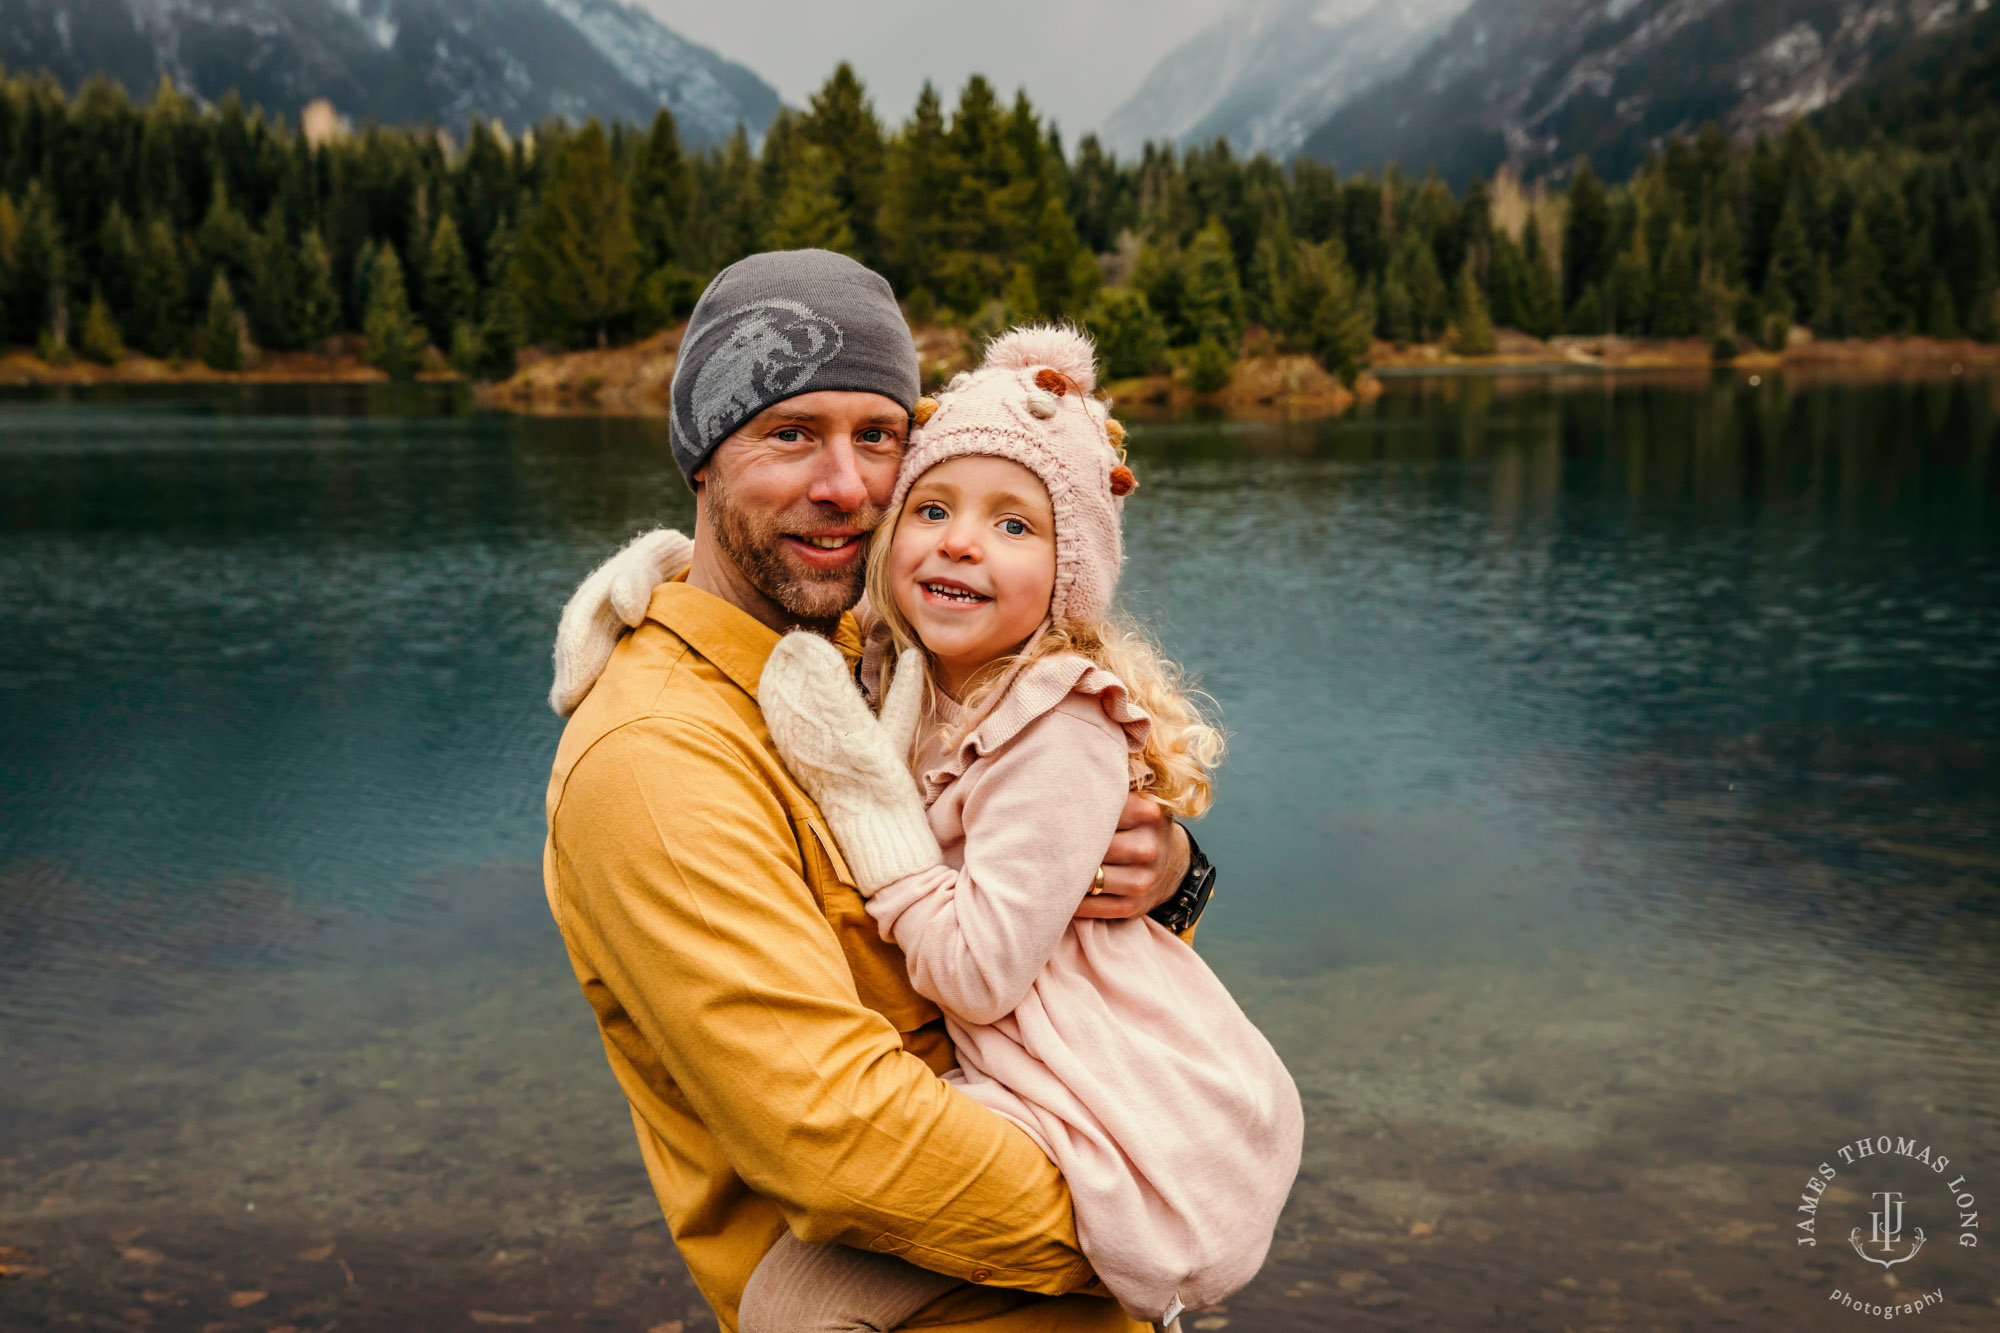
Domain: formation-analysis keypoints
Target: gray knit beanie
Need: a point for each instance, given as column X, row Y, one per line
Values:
column 779, row 324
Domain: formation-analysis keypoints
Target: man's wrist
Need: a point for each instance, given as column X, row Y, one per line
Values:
column 1179, row 912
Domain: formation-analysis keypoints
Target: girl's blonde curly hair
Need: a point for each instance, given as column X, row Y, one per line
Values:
column 1186, row 744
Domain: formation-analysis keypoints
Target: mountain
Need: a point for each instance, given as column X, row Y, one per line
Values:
column 1939, row 92
column 1265, row 74
column 397, row 61
column 1535, row 83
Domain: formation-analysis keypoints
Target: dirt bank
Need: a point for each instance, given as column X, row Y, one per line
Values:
column 340, row 361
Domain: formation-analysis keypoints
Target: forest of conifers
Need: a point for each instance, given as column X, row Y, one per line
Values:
column 188, row 232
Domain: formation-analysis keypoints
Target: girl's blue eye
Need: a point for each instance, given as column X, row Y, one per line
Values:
column 935, row 513
column 1016, row 528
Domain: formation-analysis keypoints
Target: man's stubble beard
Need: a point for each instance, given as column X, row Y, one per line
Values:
column 814, row 598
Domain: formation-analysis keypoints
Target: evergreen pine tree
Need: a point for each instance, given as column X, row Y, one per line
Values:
column 1542, row 307
column 1976, row 297
column 1941, row 321
column 661, row 184
column 1586, row 317
column 224, row 243
column 1472, row 326
column 1268, row 293
column 1415, row 268
column 1506, row 283
column 1160, row 275
column 1865, row 306
column 1792, row 266
column 912, row 234
column 1343, row 323
column 1209, row 365
column 159, row 300
column 841, row 122
column 1064, row 272
column 1130, row 338
column 1724, row 259
column 34, row 295
column 504, row 329
column 276, row 285
column 1825, row 318
column 1586, row 241
column 808, row 216
column 448, row 287
column 118, row 260
column 99, row 339
column 578, row 262
column 318, row 301
column 465, row 348
column 1396, row 319
column 221, row 330
column 1675, row 310
column 1213, row 301
column 1630, row 287
column 1022, row 305
column 395, row 339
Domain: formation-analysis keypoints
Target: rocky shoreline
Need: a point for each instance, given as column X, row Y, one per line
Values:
column 634, row 379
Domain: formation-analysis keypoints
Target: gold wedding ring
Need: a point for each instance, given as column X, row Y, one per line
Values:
column 1097, row 885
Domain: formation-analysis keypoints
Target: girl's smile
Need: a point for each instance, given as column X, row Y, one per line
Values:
column 973, row 563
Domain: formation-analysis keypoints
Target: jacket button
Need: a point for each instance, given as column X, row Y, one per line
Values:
column 981, row 1274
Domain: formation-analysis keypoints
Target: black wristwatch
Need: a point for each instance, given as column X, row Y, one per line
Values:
column 1191, row 898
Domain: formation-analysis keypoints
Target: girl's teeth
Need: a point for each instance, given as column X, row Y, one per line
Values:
column 955, row 594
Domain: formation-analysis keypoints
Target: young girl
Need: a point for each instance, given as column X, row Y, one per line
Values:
column 1027, row 716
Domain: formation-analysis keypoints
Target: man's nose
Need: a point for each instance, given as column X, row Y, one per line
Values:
column 838, row 480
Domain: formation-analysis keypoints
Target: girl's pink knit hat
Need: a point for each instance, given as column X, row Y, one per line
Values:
column 1030, row 401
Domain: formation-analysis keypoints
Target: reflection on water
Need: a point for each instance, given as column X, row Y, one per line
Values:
column 1610, row 836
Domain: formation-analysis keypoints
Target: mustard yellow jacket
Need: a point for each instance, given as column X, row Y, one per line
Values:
column 780, row 1068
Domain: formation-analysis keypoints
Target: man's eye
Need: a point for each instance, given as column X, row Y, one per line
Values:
column 790, row 434
column 878, row 435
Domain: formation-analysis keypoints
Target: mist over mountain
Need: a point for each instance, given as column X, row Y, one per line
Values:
column 1535, row 83
column 397, row 61
column 1267, row 73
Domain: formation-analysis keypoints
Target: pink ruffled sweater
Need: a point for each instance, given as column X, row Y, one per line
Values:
column 1110, row 1042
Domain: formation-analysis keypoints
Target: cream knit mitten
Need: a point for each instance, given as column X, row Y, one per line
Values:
column 853, row 763
column 603, row 605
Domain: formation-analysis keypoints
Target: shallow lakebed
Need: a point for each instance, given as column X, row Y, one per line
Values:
column 1611, row 836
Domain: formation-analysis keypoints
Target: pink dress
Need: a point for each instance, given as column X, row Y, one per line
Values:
column 1110, row 1042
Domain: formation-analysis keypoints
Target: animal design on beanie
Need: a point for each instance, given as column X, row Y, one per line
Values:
column 770, row 350
column 1030, row 401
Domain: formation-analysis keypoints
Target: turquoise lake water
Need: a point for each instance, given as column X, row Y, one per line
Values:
column 1611, row 834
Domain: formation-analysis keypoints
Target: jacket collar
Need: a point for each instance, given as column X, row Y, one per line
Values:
column 733, row 640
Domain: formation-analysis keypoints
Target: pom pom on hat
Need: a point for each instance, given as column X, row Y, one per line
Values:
column 1049, row 345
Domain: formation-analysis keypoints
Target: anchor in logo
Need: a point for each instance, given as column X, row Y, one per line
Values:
column 1885, row 1229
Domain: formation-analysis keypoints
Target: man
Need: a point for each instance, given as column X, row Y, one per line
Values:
column 781, row 1071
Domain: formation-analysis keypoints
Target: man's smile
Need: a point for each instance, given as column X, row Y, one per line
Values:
column 828, row 550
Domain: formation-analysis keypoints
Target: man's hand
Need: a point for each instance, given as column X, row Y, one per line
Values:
column 1146, row 863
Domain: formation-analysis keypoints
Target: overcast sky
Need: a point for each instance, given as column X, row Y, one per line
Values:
column 1078, row 59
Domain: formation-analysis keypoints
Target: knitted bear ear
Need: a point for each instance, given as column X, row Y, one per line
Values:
column 1061, row 349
